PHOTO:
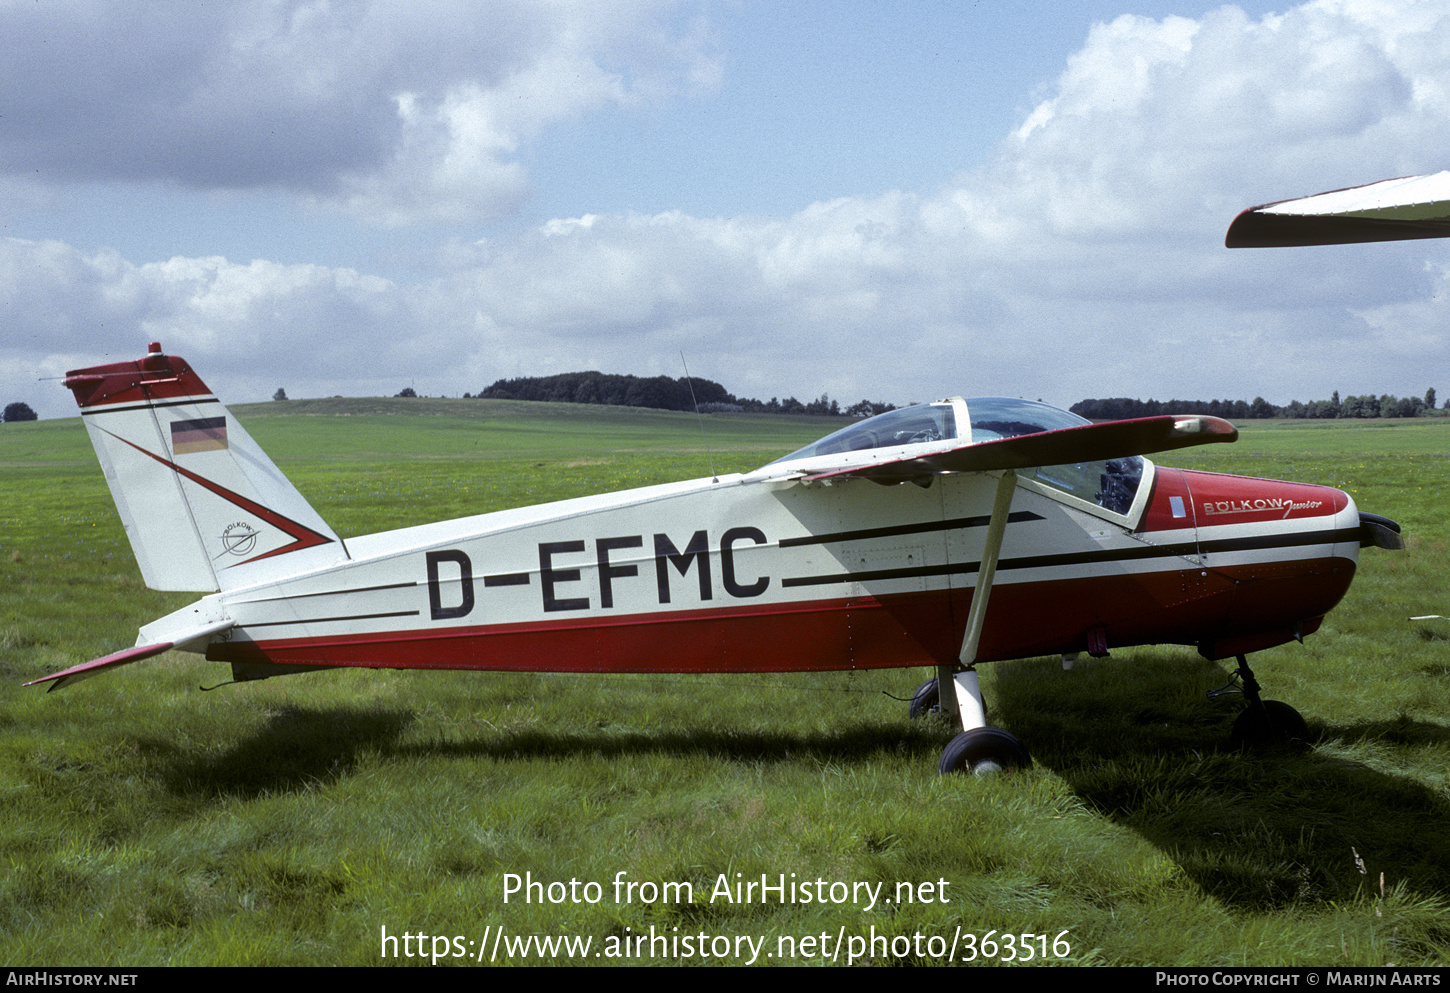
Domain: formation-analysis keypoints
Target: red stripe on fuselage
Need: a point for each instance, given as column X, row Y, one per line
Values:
column 1181, row 606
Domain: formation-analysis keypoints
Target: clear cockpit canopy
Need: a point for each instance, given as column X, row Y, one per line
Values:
column 918, row 425
column 1110, row 484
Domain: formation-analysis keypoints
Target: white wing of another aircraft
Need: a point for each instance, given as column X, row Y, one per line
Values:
column 1390, row 210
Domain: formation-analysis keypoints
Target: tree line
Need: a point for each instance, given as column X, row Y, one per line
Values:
column 662, row 393
column 1386, row 405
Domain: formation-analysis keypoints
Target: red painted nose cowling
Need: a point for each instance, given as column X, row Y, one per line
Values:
column 1274, row 556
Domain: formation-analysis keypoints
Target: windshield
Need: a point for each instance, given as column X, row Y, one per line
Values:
column 1006, row 417
column 917, row 425
column 1110, row 484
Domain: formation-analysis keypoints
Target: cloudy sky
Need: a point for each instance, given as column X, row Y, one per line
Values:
column 895, row 202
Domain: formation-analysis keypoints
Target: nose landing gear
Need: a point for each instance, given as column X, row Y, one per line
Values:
column 1264, row 723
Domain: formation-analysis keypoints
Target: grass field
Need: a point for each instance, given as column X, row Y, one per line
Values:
column 305, row 820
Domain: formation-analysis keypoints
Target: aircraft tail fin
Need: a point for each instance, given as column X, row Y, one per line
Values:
column 204, row 508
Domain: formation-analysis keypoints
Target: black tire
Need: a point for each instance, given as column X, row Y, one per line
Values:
column 1276, row 726
column 983, row 751
column 925, row 701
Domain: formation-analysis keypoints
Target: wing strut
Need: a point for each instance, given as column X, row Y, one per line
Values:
column 960, row 699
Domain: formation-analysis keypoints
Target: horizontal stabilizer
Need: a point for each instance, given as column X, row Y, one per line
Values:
column 1390, row 210
column 88, row 669
column 1084, row 443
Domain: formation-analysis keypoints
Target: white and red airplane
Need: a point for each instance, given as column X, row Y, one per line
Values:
column 881, row 545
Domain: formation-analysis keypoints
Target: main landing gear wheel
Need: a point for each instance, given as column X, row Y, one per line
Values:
column 984, row 751
column 926, row 700
column 1273, row 725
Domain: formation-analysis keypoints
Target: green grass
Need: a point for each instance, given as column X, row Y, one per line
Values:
column 288, row 821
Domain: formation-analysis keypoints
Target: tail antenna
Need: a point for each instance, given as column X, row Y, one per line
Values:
column 691, row 383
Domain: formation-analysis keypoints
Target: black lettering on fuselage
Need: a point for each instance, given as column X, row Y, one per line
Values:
column 727, row 562
column 608, row 572
column 696, row 555
column 666, row 554
column 435, row 589
column 549, row 576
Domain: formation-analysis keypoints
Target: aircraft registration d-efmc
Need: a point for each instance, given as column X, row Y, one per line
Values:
column 945, row 534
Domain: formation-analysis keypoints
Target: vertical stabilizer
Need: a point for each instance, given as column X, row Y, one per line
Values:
column 204, row 507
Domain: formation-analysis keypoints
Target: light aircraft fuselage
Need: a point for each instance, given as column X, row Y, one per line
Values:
column 742, row 574
column 878, row 546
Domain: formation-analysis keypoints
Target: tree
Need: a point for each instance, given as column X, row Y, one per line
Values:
column 19, row 412
column 407, row 391
column 281, row 394
column 1396, row 407
column 1430, row 398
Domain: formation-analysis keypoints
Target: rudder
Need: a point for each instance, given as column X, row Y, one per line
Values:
column 204, row 507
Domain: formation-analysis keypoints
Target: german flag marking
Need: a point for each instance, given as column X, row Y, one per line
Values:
column 206, row 435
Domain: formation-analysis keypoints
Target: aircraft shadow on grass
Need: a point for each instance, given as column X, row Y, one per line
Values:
column 1255, row 831
column 301, row 747
column 297, row 749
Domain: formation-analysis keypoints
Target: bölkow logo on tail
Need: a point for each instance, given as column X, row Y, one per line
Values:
column 239, row 538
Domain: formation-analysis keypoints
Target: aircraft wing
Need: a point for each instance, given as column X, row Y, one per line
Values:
column 1083, row 443
column 1390, row 210
column 87, row 669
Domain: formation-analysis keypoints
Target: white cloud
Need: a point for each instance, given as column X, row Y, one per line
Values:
column 400, row 113
column 1085, row 260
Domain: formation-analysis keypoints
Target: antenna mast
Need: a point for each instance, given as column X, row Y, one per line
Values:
column 691, row 384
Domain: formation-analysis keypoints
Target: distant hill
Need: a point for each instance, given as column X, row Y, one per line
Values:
column 661, row 393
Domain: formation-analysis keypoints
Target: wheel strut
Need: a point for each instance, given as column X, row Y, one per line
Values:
column 1250, row 689
column 1263, row 723
column 979, row 749
column 961, row 696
